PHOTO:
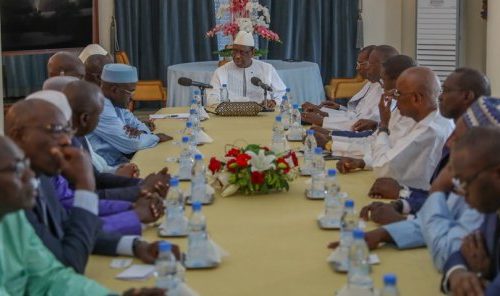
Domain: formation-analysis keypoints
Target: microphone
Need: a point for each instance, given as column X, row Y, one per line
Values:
column 257, row 82
column 184, row 81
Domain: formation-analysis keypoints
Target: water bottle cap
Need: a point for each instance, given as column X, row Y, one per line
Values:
column 318, row 150
column 174, row 182
column 196, row 92
column 349, row 203
column 185, row 139
column 295, row 106
column 287, row 89
column 193, row 101
column 358, row 234
column 165, row 246
column 198, row 157
column 390, row 279
column 332, row 172
column 285, row 98
column 192, row 111
column 278, row 118
column 224, row 85
column 189, row 124
column 310, row 132
column 196, row 206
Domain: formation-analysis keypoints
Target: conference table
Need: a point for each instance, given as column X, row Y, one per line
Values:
column 303, row 79
column 275, row 245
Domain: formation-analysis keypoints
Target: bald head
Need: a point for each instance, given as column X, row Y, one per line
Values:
column 58, row 83
column 93, row 67
column 86, row 101
column 424, row 81
column 65, row 64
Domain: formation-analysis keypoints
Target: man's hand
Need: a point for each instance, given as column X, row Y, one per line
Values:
column 321, row 139
column 475, row 254
column 373, row 239
column 364, row 125
column 347, row 164
column 148, row 252
column 313, row 118
column 157, row 182
column 384, row 107
column 443, row 182
column 145, row 292
column 129, row 170
column 270, row 104
column 132, row 132
column 310, row 107
column 385, row 188
column 465, row 283
column 329, row 104
column 321, row 130
column 163, row 137
column 76, row 166
column 149, row 207
column 150, row 124
column 381, row 213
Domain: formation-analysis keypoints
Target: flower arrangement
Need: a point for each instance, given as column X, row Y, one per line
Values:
column 246, row 15
column 254, row 169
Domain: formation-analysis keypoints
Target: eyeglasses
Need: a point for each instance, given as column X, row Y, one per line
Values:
column 460, row 186
column 56, row 129
column 448, row 90
column 127, row 92
column 365, row 63
column 19, row 167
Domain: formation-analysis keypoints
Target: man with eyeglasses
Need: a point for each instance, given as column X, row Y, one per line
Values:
column 119, row 134
column 237, row 75
column 474, row 269
column 445, row 218
column 63, row 63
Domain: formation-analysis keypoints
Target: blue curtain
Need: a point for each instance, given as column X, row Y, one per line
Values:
column 24, row 74
column 158, row 33
column 320, row 31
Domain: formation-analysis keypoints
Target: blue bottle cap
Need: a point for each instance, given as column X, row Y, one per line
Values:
column 295, row 106
column 358, row 234
column 318, row 150
column 310, row 132
column 189, row 124
column 332, row 172
column 287, row 89
column 193, row 101
column 165, row 246
column 349, row 203
column 174, row 181
column 278, row 118
column 196, row 92
column 198, row 157
column 192, row 111
column 284, row 98
column 196, row 206
column 224, row 85
column 390, row 279
column 185, row 139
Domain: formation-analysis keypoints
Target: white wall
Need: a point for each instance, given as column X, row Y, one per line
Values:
column 383, row 22
column 106, row 11
column 493, row 46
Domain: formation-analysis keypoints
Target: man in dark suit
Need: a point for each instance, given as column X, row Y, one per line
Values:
column 475, row 163
column 44, row 132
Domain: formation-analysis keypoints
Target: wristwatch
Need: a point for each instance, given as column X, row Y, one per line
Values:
column 404, row 192
column 398, row 206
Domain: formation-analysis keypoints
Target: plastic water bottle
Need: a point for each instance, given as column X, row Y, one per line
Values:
column 359, row 267
column 224, row 93
column 390, row 285
column 194, row 118
column 348, row 223
column 186, row 159
column 285, row 112
column 192, row 135
column 318, row 174
column 309, row 146
column 333, row 206
column 296, row 130
column 198, row 180
column 289, row 95
column 278, row 140
column 166, row 267
column 197, row 238
column 175, row 222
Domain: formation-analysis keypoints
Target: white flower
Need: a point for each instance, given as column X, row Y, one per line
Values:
column 261, row 162
column 245, row 24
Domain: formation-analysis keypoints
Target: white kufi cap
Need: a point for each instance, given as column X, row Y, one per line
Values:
column 56, row 98
column 244, row 38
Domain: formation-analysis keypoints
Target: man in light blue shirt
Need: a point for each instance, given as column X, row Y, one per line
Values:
column 119, row 133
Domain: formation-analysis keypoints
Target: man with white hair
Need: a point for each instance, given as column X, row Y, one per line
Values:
column 237, row 75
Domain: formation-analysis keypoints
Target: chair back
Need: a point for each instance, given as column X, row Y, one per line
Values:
column 121, row 57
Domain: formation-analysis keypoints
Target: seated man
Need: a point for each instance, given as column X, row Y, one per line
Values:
column 460, row 89
column 361, row 106
column 445, row 218
column 64, row 63
column 93, row 49
column 475, row 163
column 28, row 268
column 237, row 76
column 44, row 133
column 353, row 144
column 412, row 158
column 119, row 133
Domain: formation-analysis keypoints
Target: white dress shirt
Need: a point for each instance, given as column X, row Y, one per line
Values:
column 411, row 159
column 240, row 87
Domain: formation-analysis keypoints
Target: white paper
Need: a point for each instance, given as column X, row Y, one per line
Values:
column 120, row 263
column 171, row 116
column 137, row 272
column 204, row 138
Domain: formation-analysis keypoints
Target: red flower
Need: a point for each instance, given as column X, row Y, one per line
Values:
column 232, row 165
column 233, row 152
column 257, row 178
column 214, row 165
column 242, row 160
column 282, row 164
column 294, row 158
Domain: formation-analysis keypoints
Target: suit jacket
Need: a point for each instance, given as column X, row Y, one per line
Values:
column 71, row 236
column 111, row 186
column 492, row 237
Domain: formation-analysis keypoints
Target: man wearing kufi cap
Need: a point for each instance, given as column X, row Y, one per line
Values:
column 90, row 50
column 119, row 133
column 238, row 73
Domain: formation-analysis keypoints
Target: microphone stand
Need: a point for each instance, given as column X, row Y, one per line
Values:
column 266, row 103
column 202, row 93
